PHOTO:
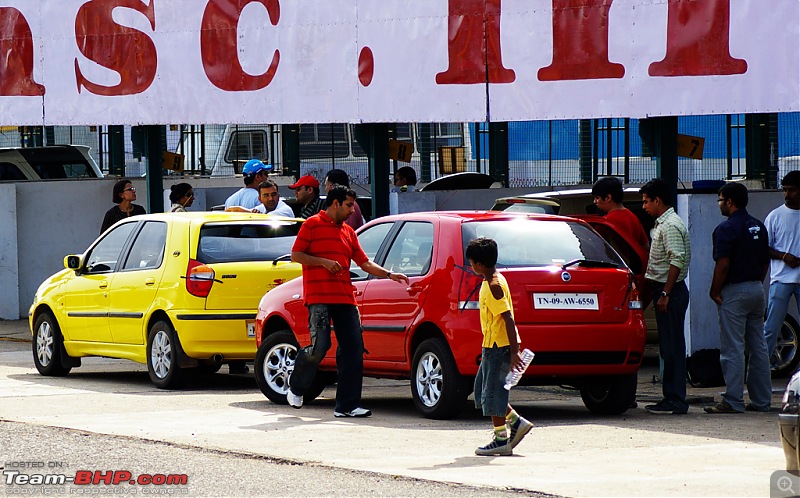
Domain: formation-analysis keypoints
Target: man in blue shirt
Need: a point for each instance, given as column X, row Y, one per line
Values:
column 741, row 253
column 254, row 172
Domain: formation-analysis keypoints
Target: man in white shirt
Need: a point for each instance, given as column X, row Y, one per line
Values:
column 271, row 202
column 783, row 228
column 254, row 172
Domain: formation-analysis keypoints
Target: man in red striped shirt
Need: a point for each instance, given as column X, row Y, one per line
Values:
column 325, row 246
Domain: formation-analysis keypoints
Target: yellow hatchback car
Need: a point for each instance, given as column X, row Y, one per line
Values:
column 177, row 291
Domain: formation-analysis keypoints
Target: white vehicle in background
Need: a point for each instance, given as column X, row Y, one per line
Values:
column 54, row 162
column 224, row 149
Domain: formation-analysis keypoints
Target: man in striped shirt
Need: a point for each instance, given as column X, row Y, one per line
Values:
column 325, row 246
column 306, row 191
column 670, row 253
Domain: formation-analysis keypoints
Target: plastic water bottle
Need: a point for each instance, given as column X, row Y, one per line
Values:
column 514, row 375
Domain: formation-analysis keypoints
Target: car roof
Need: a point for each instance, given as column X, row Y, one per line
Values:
column 561, row 194
column 47, row 147
column 219, row 216
column 466, row 216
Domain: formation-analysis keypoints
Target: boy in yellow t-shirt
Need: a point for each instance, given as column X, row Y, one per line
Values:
column 500, row 350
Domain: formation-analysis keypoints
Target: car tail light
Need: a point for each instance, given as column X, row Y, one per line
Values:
column 469, row 289
column 199, row 278
column 634, row 299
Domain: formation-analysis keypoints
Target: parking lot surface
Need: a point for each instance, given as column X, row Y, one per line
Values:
column 570, row 452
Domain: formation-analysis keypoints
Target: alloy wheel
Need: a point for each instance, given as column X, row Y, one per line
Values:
column 161, row 354
column 279, row 366
column 429, row 379
column 44, row 343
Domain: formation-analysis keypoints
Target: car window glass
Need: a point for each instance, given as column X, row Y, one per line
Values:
column 247, row 144
column 622, row 247
column 525, row 242
column 371, row 240
column 103, row 257
column 229, row 242
column 10, row 171
column 147, row 250
column 411, row 250
column 530, row 208
column 50, row 171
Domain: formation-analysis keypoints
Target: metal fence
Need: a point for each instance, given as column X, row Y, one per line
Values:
column 540, row 153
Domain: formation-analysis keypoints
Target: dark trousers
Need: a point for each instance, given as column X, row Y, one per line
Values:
column 672, row 343
column 349, row 353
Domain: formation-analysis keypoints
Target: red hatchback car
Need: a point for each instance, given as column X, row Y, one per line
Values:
column 576, row 304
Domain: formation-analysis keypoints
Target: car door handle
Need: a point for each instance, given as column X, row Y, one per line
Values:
column 414, row 289
column 359, row 293
column 150, row 281
column 104, row 284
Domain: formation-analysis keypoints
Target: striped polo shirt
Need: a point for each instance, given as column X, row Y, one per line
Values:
column 321, row 237
column 670, row 246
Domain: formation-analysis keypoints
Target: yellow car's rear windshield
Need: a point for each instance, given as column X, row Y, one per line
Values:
column 228, row 242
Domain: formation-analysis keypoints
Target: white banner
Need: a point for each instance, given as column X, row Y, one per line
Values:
column 78, row 62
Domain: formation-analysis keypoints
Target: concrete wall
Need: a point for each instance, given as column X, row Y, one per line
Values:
column 9, row 268
column 701, row 214
column 41, row 222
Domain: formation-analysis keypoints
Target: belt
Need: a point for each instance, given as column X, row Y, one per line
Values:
column 656, row 282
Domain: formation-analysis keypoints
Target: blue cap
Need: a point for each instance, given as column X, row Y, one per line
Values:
column 253, row 166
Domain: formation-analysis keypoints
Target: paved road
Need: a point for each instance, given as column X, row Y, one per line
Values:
column 209, row 472
column 570, row 452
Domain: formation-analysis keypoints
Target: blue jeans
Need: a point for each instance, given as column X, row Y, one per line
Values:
column 741, row 335
column 490, row 395
column 349, row 353
column 672, row 344
column 779, row 296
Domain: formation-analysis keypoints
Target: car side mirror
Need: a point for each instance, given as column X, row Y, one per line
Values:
column 72, row 262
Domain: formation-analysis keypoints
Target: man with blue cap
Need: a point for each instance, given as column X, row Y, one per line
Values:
column 254, row 172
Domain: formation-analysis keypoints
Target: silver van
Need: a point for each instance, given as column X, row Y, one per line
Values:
column 52, row 162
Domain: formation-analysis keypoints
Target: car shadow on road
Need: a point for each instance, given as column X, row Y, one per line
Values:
column 138, row 382
column 394, row 408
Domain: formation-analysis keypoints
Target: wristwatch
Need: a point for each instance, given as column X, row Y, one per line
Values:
column 388, row 274
column 664, row 294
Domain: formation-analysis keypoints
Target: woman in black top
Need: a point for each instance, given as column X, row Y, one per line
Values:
column 123, row 196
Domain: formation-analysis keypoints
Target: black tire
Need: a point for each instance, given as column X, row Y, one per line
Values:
column 162, row 357
column 48, row 347
column 438, row 389
column 274, row 365
column 787, row 348
column 609, row 395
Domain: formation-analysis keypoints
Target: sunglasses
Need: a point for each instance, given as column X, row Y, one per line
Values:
column 132, row 189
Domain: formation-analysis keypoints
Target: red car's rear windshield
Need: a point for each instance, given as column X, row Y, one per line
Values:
column 524, row 242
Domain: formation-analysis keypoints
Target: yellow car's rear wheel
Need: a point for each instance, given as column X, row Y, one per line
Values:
column 162, row 356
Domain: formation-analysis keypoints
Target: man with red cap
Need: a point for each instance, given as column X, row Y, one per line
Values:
column 306, row 191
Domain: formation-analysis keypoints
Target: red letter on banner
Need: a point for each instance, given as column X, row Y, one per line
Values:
column 698, row 40
column 473, row 44
column 580, row 42
column 123, row 50
column 16, row 50
column 218, row 42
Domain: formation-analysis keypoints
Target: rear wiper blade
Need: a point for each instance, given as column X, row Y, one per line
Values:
column 589, row 263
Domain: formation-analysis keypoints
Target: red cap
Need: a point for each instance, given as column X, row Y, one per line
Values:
column 305, row 181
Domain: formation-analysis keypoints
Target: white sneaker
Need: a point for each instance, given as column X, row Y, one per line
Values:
column 355, row 412
column 294, row 400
